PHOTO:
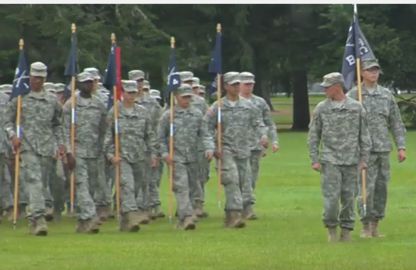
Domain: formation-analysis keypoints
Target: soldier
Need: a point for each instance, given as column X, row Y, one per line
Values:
column 4, row 99
column 41, row 131
column 338, row 142
column 60, row 92
column 237, row 116
column 90, row 130
column 197, row 193
column 151, row 201
column 136, row 137
column 188, row 128
column 201, row 91
column 257, row 147
column 383, row 117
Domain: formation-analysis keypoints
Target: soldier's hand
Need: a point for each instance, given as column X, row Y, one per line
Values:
column 275, row 148
column 401, row 155
column 168, row 160
column 115, row 160
column 209, row 154
column 61, row 150
column 362, row 166
column 264, row 141
column 16, row 143
column 154, row 163
column 316, row 166
column 70, row 161
column 218, row 154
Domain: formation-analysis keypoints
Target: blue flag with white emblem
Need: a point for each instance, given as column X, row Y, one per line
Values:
column 174, row 80
column 356, row 46
column 215, row 65
column 71, row 67
column 21, row 78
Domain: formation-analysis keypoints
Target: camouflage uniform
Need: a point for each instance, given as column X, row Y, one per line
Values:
column 90, row 130
column 3, row 181
column 137, row 141
column 236, row 121
column 188, row 127
column 338, row 139
column 383, row 117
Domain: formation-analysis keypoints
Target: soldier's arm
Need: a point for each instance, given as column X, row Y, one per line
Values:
column 210, row 119
column 150, row 138
column 314, row 136
column 365, row 139
column 66, row 126
column 396, row 125
column 103, row 126
column 207, row 139
column 164, row 135
column 57, row 123
column 109, row 147
column 268, row 121
column 10, row 118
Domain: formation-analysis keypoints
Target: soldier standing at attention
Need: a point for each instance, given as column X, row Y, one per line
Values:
column 339, row 145
column 383, row 117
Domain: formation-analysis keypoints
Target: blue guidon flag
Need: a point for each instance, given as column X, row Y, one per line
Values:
column 21, row 79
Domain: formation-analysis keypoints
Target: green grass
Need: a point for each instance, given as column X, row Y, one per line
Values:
column 288, row 235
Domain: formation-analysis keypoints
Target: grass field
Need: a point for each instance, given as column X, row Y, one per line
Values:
column 288, row 235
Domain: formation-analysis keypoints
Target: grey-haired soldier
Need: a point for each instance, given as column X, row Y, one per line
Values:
column 237, row 116
column 383, row 118
column 42, row 131
column 339, row 145
column 188, row 128
column 89, row 136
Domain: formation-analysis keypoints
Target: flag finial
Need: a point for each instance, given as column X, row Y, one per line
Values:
column 218, row 28
column 172, row 42
column 21, row 44
column 113, row 38
column 73, row 28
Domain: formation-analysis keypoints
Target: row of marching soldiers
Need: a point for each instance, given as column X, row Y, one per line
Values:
column 144, row 128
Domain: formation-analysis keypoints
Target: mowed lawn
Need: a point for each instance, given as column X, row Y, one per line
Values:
column 288, row 235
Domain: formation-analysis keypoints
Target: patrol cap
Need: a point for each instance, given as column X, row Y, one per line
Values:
column 247, row 77
column 369, row 63
column 94, row 72
column 136, row 74
column 129, row 86
column 231, row 77
column 6, row 88
column 183, row 90
column 85, row 76
column 186, row 76
column 146, row 84
column 195, row 81
column 331, row 79
column 201, row 89
column 59, row 87
column 155, row 93
column 49, row 87
column 38, row 69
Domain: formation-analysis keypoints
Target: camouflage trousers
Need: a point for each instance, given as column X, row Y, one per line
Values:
column 101, row 189
column 378, row 176
column 57, row 187
column 154, row 185
column 34, row 175
column 255, row 167
column 184, row 181
column 86, row 173
column 337, row 185
column 132, row 180
column 203, row 172
column 143, row 195
column 235, row 177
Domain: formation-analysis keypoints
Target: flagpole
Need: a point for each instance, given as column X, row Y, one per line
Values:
column 17, row 154
column 72, row 180
column 360, row 99
column 219, row 133
column 171, row 142
column 116, row 140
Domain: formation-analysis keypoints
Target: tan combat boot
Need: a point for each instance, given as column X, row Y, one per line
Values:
column 143, row 217
column 374, row 230
column 332, row 234
column 92, row 225
column 103, row 213
column 249, row 214
column 49, row 214
column 345, row 235
column 81, row 226
column 366, row 231
column 188, row 223
column 199, row 210
column 133, row 221
column 235, row 220
column 155, row 213
column 40, row 228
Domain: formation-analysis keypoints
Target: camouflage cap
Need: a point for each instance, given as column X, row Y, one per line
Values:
column 146, row 84
column 6, row 88
column 231, row 77
column 331, row 79
column 195, row 81
column 94, row 72
column 38, row 69
column 59, row 87
column 247, row 77
column 136, row 74
column 183, row 90
column 85, row 76
column 155, row 93
column 369, row 63
column 201, row 89
column 186, row 76
column 49, row 87
column 129, row 86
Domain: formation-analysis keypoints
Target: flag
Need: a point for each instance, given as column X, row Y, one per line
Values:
column 21, row 79
column 174, row 79
column 215, row 65
column 71, row 67
column 356, row 46
column 113, row 74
